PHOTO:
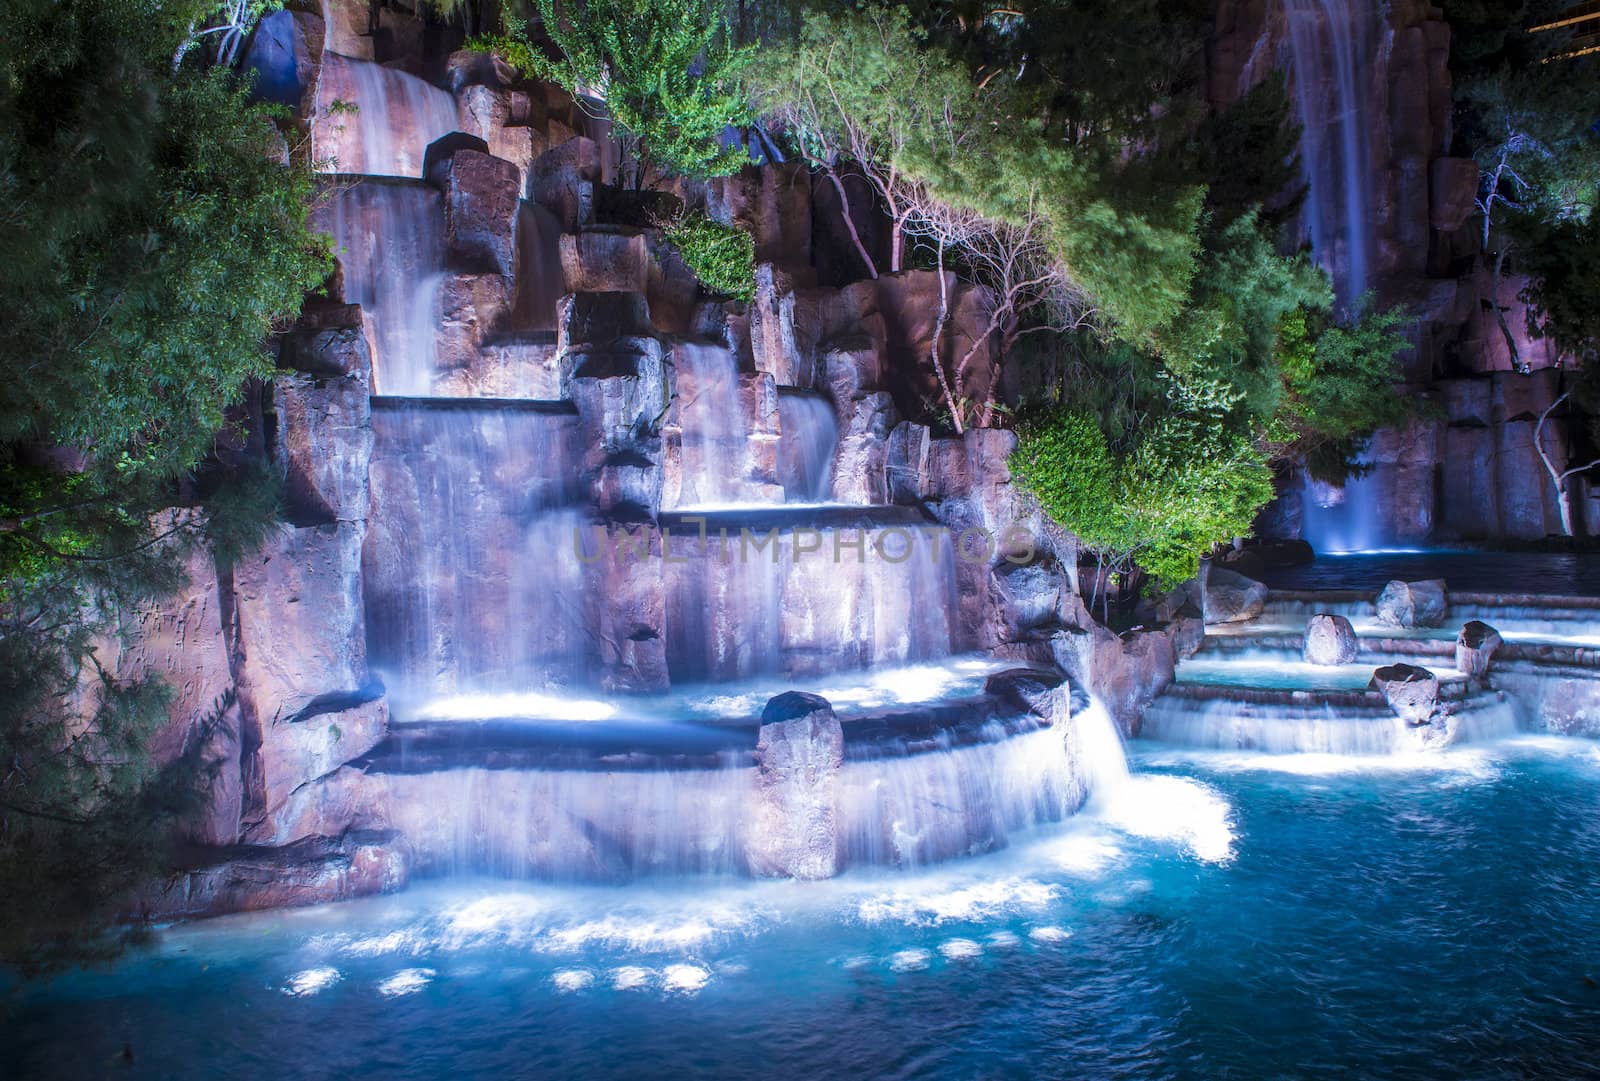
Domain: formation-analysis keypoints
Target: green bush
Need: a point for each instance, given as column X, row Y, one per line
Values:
column 1188, row 484
column 723, row 257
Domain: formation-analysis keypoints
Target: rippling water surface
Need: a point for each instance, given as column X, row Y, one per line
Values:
column 1232, row 915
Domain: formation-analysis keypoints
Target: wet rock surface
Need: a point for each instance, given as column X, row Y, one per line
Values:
column 794, row 825
column 1413, row 604
column 1330, row 639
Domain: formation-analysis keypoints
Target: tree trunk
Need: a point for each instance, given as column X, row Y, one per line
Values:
column 938, row 330
column 850, row 223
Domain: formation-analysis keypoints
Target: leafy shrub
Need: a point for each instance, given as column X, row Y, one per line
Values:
column 1188, row 484
column 723, row 257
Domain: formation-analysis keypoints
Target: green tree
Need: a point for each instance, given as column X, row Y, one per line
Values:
column 1338, row 385
column 146, row 252
column 668, row 72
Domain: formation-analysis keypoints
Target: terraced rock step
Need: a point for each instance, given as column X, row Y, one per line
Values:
column 646, row 743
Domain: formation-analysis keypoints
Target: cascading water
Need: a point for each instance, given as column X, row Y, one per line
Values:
column 809, row 431
column 1341, row 519
column 1330, row 44
column 1330, row 47
column 528, row 659
column 714, row 461
column 759, row 597
column 390, row 243
column 472, row 581
column 633, row 818
column 378, row 121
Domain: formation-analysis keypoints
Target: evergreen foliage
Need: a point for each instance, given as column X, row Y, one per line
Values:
column 668, row 72
column 152, row 237
column 1186, row 485
column 723, row 257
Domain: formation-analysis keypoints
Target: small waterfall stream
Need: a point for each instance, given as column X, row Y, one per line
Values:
column 1330, row 46
column 471, row 578
column 715, row 456
column 377, row 121
column 390, row 243
column 809, row 432
column 1341, row 519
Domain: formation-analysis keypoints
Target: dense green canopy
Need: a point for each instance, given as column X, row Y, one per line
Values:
column 153, row 234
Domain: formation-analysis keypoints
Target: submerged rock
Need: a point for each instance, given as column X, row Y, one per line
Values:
column 1412, row 692
column 1330, row 639
column 794, row 830
column 1475, row 646
column 1413, row 604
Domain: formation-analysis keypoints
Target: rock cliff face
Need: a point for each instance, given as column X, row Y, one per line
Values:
column 1395, row 212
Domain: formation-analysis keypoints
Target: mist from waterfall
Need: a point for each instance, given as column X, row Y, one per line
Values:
column 1330, row 47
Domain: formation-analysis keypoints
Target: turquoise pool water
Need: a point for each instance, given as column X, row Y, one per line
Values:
column 1231, row 916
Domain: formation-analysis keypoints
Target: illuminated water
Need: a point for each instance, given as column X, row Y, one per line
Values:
column 1236, row 915
column 1563, row 573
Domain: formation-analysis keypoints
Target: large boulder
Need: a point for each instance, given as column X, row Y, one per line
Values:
column 772, row 336
column 562, row 180
column 323, row 436
column 299, row 627
column 179, row 639
column 298, row 787
column 473, row 311
column 1043, row 693
column 1475, row 647
column 793, row 832
column 318, row 870
column 1028, row 594
column 860, row 464
column 481, row 197
column 613, row 368
column 284, row 53
column 605, row 261
column 1230, row 597
column 1413, row 604
column 1126, row 672
column 1412, row 692
column 1330, row 639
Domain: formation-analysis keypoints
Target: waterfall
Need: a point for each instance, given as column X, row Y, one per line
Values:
column 714, row 462
column 1330, row 43
column 756, row 598
column 389, row 239
column 573, row 825
column 472, row 583
column 943, row 804
column 808, row 432
column 539, row 276
column 1340, row 519
column 617, row 822
column 376, row 121
column 1099, row 749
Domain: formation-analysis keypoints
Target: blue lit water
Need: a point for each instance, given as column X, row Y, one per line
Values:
column 1233, row 916
column 1573, row 574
